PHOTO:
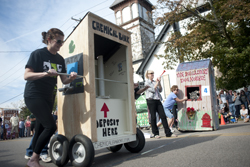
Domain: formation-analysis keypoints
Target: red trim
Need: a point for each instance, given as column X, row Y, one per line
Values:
column 199, row 99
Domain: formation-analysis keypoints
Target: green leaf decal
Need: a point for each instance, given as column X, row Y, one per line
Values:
column 71, row 46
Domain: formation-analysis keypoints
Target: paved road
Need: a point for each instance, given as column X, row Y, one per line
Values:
column 229, row 146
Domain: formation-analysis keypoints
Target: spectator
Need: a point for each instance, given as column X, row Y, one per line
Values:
column 3, row 136
column 21, row 128
column 225, row 114
column 2, row 118
column 33, row 124
column 14, row 120
column 41, row 73
column 243, row 98
column 222, row 97
column 218, row 101
column 248, row 96
column 137, row 91
column 237, row 104
column 230, row 103
column 221, row 105
column 154, row 98
column 27, row 126
column 169, row 104
column 244, row 113
column 1, row 129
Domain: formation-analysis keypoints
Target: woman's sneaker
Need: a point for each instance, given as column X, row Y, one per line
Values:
column 172, row 130
column 27, row 157
column 45, row 158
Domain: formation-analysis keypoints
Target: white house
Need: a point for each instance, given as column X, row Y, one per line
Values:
column 133, row 15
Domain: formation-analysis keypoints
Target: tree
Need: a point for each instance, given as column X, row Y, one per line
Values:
column 24, row 112
column 222, row 35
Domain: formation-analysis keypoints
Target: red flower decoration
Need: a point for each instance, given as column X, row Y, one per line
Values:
column 188, row 109
column 192, row 109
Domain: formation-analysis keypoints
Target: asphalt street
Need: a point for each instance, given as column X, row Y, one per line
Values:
column 229, row 146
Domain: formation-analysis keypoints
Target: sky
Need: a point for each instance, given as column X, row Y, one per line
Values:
column 21, row 25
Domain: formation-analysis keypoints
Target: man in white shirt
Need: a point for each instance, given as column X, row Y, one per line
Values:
column 14, row 120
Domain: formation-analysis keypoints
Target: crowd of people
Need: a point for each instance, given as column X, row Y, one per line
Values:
column 234, row 105
column 19, row 127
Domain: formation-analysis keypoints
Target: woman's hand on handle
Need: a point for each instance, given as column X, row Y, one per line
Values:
column 52, row 73
column 73, row 76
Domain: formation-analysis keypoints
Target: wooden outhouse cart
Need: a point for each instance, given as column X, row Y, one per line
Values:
column 97, row 110
column 196, row 81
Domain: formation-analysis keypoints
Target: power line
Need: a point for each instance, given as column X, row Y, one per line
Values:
column 90, row 8
column 11, row 74
column 11, row 99
column 13, row 51
column 10, row 82
column 14, row 66
column 19, row 61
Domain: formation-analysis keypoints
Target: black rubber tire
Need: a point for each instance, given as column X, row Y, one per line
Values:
column 81, row 143
column 114, row 149
column 138, row 145
column 59, row 146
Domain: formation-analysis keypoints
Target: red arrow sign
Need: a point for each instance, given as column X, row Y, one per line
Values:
column 105, row 109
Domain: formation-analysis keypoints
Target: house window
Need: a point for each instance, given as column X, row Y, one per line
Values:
column 140, row 11
column 126, row 16
column 193, row 92
column 145, row 15
column 118, row 18
column 135, row 11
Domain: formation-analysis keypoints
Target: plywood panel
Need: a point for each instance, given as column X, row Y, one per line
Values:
column 166, row 85
column 74, row 110
column 77, row 112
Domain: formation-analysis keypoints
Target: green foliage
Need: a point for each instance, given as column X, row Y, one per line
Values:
column 221, row 36
column 24, row 112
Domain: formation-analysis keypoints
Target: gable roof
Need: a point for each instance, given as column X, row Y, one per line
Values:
column 120, row 1
column 186, row 66
column 116, row 3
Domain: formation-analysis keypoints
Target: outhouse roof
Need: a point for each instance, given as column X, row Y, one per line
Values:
column 186, row 66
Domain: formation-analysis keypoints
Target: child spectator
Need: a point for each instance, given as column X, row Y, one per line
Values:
column 27, row 126
column 244, row 113
column 225, row 113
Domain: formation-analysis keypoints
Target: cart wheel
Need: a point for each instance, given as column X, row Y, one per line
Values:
column 138, row 145
column 59, row 146
column 115, row 148
column 81, row 151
